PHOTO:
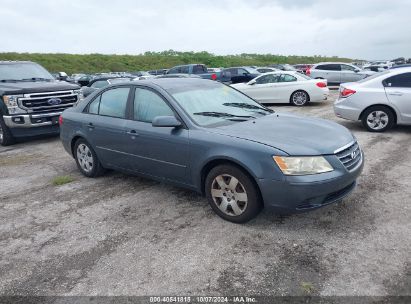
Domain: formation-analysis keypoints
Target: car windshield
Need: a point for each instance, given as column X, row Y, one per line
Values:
column 289, row 67
column 142, row 73
column 251, row 70
column 23, row 72
column 217, row 104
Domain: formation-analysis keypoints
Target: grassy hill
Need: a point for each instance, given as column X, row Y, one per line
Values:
column 93, row 63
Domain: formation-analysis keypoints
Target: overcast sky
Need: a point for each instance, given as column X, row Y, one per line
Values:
column 366, row 29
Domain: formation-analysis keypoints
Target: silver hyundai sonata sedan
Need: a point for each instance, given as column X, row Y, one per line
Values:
column 206, row 136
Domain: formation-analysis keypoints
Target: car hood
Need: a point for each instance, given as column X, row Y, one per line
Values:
column 36, row 87
column 295, row 135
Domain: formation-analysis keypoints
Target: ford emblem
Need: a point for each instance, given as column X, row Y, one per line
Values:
column 54, row 101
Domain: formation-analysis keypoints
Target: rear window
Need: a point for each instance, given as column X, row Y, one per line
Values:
column 399, row 81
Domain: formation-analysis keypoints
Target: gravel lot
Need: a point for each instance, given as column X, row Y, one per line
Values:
column 124, row 235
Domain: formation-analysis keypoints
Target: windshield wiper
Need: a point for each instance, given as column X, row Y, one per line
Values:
column 35, row 79
column 247, row 106
column 222, row 114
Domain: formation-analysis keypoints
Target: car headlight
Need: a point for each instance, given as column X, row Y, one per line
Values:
column 11, row 102
column 303, row 165
column 79, row 93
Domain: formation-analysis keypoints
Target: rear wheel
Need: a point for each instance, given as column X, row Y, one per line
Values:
column 378, row 119
column 6, row 138
column 299, row 98
column 232, row 194
column 86, row 159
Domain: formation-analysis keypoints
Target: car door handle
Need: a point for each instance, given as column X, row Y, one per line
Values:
column 395, row 94
column 90, row 126
column 132, row 133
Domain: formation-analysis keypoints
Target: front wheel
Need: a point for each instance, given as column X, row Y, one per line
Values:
column 86, row 159
column 299, row 98
column 378, row 119
column 232, row 194
column 6, row 138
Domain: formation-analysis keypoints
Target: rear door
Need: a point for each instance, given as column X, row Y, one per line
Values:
column 158, row 151
column 105, row 126
column 349, row 73
column 398, row 90
column 331, row 72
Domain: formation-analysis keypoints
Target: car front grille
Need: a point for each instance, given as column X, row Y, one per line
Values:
column 350, row 156
column 48, row 101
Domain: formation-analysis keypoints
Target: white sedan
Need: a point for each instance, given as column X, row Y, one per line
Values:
column 380, row 101
column 285, row 87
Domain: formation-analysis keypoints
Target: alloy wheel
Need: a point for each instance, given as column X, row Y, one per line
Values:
column 377, row 120
column 299, row 98
column 85, row 158
column 229, row 195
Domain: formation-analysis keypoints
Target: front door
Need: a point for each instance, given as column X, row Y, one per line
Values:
column 158, row 151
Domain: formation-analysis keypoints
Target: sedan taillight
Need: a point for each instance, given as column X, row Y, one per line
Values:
column 60, row 120
column 346, row 92
column 308, row 72
column 321, row 84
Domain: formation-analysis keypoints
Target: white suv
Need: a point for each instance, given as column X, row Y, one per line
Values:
column 337, row 72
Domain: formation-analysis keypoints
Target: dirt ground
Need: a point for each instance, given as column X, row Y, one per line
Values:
column 125, row 235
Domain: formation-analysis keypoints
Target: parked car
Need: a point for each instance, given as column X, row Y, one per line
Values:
column 302, row 68
column 213, row 70
column 208, row 137
column 158, row 72
column 238, row 74
column 379, row 102
column 263, row 70
column 283, row 67
column 31, row 100
column 101, row 82
column 142, row 75
column 194, row 69
column 337, row 72
column 285, row 87
column 178, row 76
column 85, row 80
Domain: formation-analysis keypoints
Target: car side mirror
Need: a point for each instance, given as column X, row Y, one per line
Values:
column 356, row 71
column 166, row 121
column 252, row 82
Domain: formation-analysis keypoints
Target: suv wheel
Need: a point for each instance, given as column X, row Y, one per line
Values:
column 232, row 194
column 299, row 98
column 6, row 138
column 378, row 119
column 86, row 159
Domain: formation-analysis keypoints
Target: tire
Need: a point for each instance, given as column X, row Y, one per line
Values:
column 86, row 159
column 6, row 138
column 232, row 194
column 378, row 119
column 299, row 98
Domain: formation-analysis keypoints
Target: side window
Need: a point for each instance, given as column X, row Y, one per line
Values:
column 329, row 67
column 148, row 105
column 242, row 72
column 114, row 102
column 94, row 105
column 287, row 78
column 267, row 79
column 399, row 81
column 99, row 84
column 234, row 72
column 185, row 69
column 175, row 70
column 199, row 69
column 345, row 67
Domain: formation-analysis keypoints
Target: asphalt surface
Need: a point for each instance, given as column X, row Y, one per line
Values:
column 125, row 235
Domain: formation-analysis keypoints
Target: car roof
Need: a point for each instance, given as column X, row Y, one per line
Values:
column 174, row 83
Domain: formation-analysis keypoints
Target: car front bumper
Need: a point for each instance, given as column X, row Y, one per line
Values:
column 295, row 196
column 34, row 124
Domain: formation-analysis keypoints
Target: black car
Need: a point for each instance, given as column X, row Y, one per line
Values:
column 238, row 74
column 101, row 82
